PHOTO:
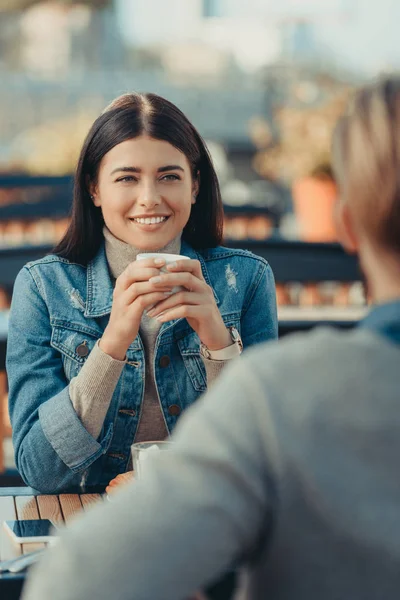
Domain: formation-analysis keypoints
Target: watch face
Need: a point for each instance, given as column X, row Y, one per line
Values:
column 236, row 337
column 235, row 334
column 204, row 351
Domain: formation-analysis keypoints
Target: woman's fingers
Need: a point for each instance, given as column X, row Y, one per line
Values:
column 146, row 301
column 183, row 311
column 141, row 270
column 189, row 266
column 130, row 276
column 184, row 279
column 185, row 272
column 173, row 300
column 141, row 288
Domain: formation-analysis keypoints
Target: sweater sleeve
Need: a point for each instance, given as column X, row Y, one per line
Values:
column 91, row 391
column 214, row 368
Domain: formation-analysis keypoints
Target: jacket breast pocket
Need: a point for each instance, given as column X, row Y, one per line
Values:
column 189, row 347
column 74, row 346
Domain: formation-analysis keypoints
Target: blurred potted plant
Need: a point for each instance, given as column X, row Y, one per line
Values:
column 314, row 196
column 300, row 157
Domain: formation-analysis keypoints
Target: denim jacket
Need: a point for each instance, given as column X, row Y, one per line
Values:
column 57, row 307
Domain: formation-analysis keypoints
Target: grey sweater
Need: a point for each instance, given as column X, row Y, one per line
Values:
column 288, row 465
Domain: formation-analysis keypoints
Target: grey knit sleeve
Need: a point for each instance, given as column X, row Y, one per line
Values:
column 92, row 389
column 214, row 368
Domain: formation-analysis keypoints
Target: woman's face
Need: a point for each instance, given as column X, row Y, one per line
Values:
column 145, row 190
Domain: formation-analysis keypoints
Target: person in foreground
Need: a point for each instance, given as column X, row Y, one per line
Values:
column 289, row 465
column 100, row 353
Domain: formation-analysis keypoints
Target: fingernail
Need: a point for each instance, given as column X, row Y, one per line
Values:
column 156, row 279
column 159, row 261
column 172, row 266
column 150, row 313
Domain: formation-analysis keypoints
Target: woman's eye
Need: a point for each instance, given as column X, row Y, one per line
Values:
column 170, row 177
column 127, row 178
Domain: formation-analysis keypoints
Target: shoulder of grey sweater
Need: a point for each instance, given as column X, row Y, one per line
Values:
column 322, row 372
column 279, row 397
column 301, row 352
column 285, row 398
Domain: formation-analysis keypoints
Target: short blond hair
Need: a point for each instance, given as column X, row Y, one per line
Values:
column 366, row 161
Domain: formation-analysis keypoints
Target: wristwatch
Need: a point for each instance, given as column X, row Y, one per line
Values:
column 231, row 351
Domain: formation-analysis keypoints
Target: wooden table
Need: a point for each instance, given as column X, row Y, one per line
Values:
column 26, row 503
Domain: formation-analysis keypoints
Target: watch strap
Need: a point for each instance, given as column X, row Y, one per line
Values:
column 235, row 349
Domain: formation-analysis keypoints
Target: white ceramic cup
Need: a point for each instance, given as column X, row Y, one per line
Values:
column 169, row 258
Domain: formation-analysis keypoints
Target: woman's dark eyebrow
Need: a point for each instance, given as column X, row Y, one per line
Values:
column 170, row 168
column 126, row 170
column 137, row 170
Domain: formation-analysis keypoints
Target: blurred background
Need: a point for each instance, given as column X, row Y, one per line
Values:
column 264, row 81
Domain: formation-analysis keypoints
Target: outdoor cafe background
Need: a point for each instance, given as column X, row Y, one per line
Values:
column 264, row 81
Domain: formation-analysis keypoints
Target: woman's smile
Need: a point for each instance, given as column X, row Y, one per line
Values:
column 150, row 223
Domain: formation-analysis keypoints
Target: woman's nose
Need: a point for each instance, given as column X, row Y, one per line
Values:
column 148, row 196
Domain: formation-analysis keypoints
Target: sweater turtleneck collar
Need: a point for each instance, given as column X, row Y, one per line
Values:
column 120, row 254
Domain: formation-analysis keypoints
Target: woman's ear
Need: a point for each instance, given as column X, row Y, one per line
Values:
column 94, row 196
column 195, row 187
column 346, row 230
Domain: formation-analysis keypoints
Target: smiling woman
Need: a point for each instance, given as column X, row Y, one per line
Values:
column 149, row 202
column 88, row 378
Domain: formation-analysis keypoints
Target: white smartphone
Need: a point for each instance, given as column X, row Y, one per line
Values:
column 30, row 531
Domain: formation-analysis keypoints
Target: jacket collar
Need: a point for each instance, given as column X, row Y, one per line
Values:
column 384, row 319
column 187, row 250
column 99, row 286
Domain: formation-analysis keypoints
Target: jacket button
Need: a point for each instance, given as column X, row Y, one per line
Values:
column 116, row 455
column 82, row 350
column 164, row 361
column 174, row 410
column 131, row 412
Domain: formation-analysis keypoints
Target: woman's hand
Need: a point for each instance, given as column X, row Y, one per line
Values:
column 121, row 479
column 195, row 303
column 133, row 294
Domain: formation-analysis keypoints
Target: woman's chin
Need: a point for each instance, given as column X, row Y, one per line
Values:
column 149, row 241
column 149, row 246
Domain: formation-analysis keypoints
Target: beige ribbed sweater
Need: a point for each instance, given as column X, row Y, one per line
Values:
column 91, row 391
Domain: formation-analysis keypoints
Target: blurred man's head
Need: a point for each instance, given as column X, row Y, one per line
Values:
column 366, row 160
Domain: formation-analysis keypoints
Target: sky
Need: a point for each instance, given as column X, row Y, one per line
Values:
column 369, row 38
column 362, row 34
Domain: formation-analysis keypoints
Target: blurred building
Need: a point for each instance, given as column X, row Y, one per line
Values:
column 211, row 8
column 224, row 62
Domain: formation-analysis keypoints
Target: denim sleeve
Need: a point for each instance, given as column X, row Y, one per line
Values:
column 259, row 321
column 48, row 436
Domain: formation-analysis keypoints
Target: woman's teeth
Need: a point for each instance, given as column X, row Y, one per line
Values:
column 150, row 220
